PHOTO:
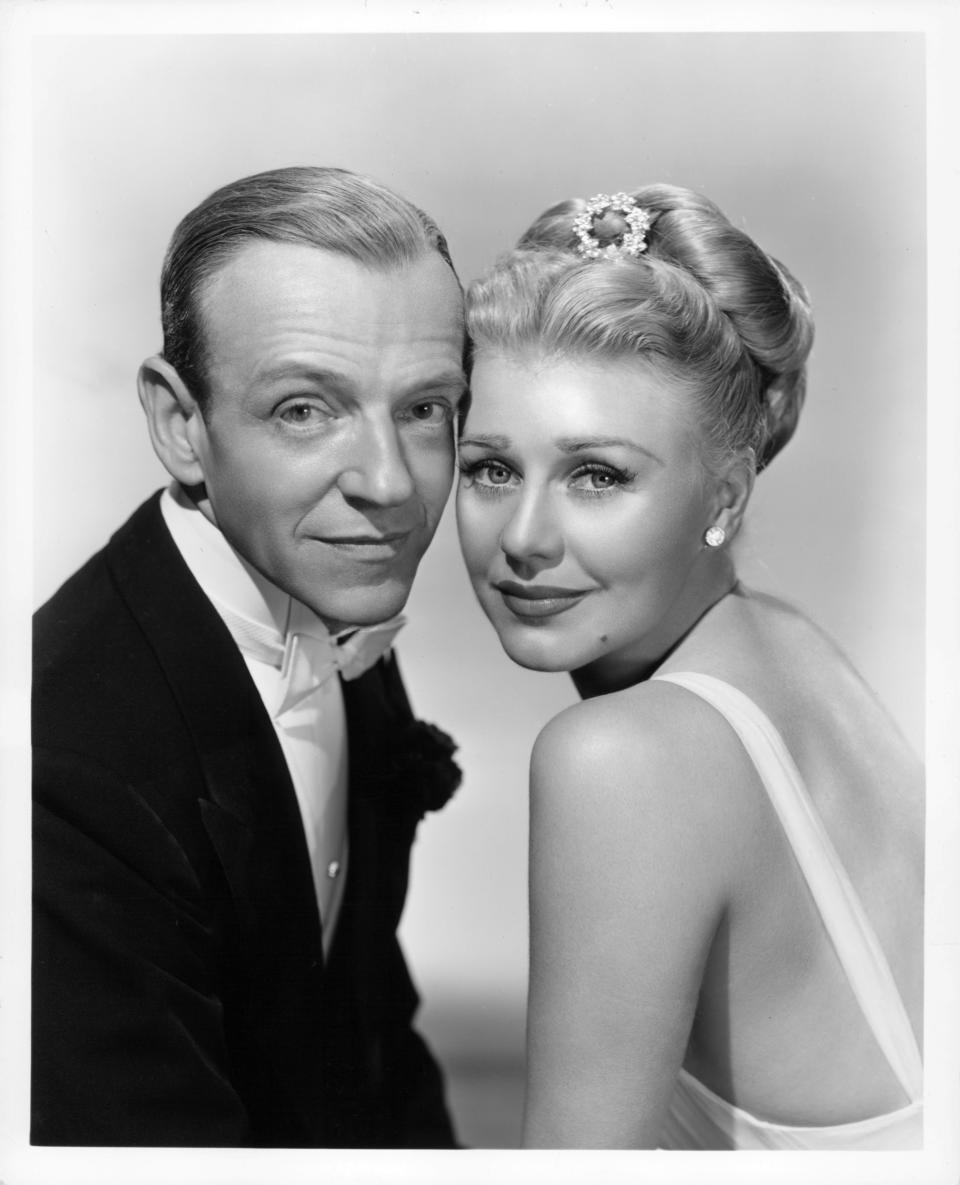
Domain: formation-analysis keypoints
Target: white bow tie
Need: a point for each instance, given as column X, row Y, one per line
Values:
column 308, row 656
column 309, row 659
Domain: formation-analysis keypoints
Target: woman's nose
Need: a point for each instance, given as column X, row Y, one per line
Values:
column 532, row 536
column 377, row 471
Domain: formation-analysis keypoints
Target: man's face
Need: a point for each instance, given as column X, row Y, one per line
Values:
column 327, row 442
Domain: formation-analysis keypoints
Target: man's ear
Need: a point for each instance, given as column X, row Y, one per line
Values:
column 733, row 494
column 173, row 419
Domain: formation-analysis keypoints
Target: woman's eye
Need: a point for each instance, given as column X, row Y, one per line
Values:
column 598, row 479
column 487, row 474
column 495, row 474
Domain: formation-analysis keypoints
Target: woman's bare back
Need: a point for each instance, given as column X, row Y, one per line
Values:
column 778, row 1030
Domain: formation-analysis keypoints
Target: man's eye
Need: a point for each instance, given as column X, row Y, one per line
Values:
column 301, row 414
column 430, row 411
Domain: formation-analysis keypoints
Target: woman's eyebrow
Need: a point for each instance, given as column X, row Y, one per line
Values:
column 580, row 444
column 486, row 441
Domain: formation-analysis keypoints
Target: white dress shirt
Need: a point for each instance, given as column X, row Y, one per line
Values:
column 313, row 734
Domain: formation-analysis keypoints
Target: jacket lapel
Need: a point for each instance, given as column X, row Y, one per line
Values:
column 298, row 1011
column 248, row 783
column 250, row 811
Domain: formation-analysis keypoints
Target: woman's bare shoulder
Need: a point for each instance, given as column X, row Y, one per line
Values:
column 634, row 858
column 651, row 764
column 655, row 726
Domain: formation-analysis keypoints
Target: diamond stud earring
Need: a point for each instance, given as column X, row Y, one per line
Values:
column 714, row 536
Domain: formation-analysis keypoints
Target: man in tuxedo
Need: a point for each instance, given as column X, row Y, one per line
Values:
column 228, row 775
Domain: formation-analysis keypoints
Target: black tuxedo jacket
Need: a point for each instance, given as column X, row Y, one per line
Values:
column 180, row 991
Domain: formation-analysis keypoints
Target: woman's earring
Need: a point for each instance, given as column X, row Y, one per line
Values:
column 714, row 536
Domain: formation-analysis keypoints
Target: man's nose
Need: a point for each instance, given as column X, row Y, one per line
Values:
column 532, row 537
column 377, row 471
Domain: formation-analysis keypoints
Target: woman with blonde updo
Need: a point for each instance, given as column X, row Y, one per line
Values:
column 726, row 832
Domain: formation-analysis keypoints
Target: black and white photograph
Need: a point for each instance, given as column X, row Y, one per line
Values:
column 480, row 537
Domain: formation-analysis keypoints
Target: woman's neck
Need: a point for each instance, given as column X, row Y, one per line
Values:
column 636, row 663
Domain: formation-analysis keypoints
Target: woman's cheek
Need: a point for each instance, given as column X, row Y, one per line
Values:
column 478, row 531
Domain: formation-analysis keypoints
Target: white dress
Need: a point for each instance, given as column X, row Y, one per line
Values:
column 699, row 1118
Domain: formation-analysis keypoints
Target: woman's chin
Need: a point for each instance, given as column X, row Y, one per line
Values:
column 539, row 654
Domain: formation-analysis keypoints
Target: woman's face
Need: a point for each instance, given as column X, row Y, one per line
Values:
column 581, row 506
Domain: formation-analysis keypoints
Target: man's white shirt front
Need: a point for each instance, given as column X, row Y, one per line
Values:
column 313, row 733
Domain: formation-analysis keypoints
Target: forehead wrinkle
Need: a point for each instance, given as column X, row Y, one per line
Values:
column 341, row 381
column 224, row 296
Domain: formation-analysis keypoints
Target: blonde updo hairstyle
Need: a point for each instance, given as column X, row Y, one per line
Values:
column 703, row 304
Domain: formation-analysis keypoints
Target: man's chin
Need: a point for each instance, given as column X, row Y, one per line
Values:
column 358, row 607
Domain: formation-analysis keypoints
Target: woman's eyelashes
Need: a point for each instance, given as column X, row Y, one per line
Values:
column 597, row 478
column 592, row 479
column 487, row 475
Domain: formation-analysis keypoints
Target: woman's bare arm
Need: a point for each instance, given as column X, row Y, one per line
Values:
column 630, row 864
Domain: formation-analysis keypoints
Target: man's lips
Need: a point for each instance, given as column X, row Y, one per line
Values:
column 391, row 537
column 538, row 600
column 386, row 544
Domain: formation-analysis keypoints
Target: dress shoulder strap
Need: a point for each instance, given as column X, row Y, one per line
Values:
column 851, row 933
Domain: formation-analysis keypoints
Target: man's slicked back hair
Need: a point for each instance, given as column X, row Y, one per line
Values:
column 331, row 209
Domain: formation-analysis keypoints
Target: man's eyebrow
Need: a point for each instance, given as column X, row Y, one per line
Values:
column 301, row 370
column 448, row 380
column 454, row 380
column 580, row 444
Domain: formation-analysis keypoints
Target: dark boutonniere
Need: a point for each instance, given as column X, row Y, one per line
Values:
column 419, row 773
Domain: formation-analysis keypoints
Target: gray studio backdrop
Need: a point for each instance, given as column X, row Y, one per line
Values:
column 813, row 142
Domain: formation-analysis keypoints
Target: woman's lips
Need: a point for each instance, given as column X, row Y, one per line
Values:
column 538, row 600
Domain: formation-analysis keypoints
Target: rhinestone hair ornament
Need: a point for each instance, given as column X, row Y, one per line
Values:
column 623, row 209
